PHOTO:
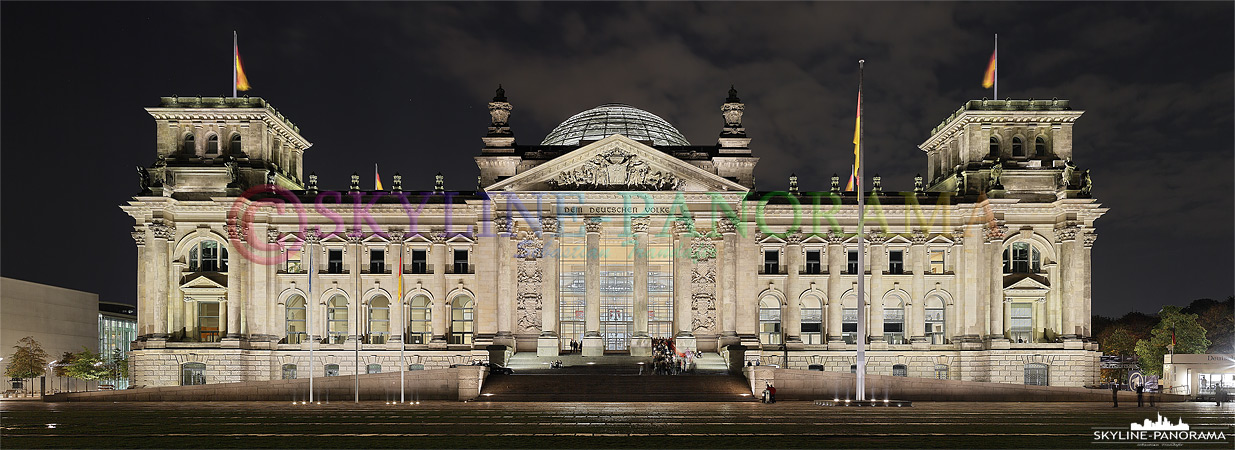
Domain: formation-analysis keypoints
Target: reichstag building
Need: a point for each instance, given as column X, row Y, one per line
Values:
column 611, row 231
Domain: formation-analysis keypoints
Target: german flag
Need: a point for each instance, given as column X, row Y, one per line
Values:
column 242, row 83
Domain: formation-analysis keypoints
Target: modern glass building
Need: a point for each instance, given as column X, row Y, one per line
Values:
column 117, row 329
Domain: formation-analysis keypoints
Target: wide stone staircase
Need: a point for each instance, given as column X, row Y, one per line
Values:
column 612, row 379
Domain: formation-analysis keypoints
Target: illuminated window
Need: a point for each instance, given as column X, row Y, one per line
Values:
column 934, row 319
column 1021, row 328
column 289, row 371
column 812, row 320
column 208, row 321
column 1022, row 257
column 420, row 322
column 849, row 325
column 769, row 321
column 293, row 260
column 296, row 331
column 336, row 319
column 461, row 320
column 192, row 374
column 379, row 320
column 894, row 323
column 208, row 256
column 373, row 368
column 937, row 261
column 941, row 371
column 899, row 370
column 332, row 370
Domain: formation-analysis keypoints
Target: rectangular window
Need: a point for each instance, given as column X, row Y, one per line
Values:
column 460, row 261
column 377, row 261
column 420, row 261
column 894, row 325
column 852, row 267
column 849, row 325
column 935, row 326
column 334, row 261
column 896, row 262
column 771, row 261
column 1021, row 328
column 814, row 264
column 293, row 260
column 812, row 325
column 208, row 321
column 937, row 261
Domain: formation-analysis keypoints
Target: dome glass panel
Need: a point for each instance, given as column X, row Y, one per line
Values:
column 610, row 119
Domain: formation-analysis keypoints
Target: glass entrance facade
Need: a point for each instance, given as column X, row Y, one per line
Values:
column 617, row 289
column 572, row 288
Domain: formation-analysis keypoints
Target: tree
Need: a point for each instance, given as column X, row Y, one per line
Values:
column 1219, row 322
column 87, row 365
column 1119, row 342
column 61, row 365
column 1189, row 337
column 118, row 366
column 29, row 361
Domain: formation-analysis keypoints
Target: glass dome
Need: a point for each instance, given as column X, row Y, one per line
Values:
column 613, row 118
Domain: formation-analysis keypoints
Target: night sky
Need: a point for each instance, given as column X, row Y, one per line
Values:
column 405, row 85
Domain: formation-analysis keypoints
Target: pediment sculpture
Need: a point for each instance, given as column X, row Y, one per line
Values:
column 616, row 169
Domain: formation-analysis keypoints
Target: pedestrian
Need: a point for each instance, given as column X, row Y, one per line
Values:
column 1140, row 395
column 771, row 394
column 1115, row 394
column 766, row 392
column 1219, row 394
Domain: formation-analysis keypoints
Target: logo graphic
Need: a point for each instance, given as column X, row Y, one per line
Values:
column 1163, row 424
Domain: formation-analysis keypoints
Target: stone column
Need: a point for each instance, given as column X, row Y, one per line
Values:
column 355, row 309
column 315, row 315
column 994, row 252
column 792, row 321
column 728, row 273
column 878, row 255
column 163, row 235
column 547, row 344
column 915, row 317
column 836, row 267
column 398, row 309
column 970, row 272
column 1073, row 290
column 507, row 266
column 235, row 279
column 640, row 342
column 682, row 230
column 1090, row 236
column 439, row 311
column 143, row 318
column 593, row 342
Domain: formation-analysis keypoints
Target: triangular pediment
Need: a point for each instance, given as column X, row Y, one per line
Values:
column 1026, row 283
column 616, row 163
column 205, row 282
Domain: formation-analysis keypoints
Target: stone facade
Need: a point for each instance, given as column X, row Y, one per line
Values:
column 982, row 268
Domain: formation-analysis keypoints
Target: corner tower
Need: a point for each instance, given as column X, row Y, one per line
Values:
column 220, row 146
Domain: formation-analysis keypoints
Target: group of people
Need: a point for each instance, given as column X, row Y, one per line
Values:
column 1140, row 395
column 667, row 361
column 769, row 393
column 575, row 346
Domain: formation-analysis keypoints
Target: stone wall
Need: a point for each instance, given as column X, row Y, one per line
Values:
column 1075, row 368
column 161, row 366
column 461, row 383
column 794, row 384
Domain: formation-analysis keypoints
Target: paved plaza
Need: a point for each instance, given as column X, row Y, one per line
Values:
column 31, row 424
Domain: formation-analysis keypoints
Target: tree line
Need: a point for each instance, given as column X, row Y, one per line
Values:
column 1204, row 326
column 29, row 360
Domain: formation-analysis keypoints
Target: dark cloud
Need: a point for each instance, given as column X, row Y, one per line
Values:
column 405, row 85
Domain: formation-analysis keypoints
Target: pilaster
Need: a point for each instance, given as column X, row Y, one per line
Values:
column 792, row 322
column 550, row 303
column 728, row 268
column 836, row 264
column 593, row 342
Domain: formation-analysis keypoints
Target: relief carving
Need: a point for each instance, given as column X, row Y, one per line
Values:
column 529, row 300
column 616, row 169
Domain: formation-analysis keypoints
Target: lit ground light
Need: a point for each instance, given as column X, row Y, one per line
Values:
column 28, row 424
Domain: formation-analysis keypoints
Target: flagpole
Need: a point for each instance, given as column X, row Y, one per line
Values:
column 402, row 344
column 996, row 66
column 308, row 307
column 861, row 338
column 235, row 50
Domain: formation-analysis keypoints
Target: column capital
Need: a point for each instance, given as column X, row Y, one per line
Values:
column 593, row 224
column 313, row 235
column 918, row 237
column 396, row 234
column 354, row 236
column 162, row 230
column 876, row 237
column 548, row 224
column 272, row 235
column 640, row 224
column 1091, row 235
column 437, row 237
column 683, row 225
column 1066, row 233
column 995, row 232
column 726, row 226
column 835, row 237
column 793, row 237
column 139, row 236
column 503, row 224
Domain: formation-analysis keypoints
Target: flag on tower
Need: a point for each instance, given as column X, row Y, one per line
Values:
column 377, row 179
column 857, row 128
column 988, row 79
column 240, row 81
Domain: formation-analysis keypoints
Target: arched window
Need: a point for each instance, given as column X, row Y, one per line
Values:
column 379, row 320
column 941, row 371
column 289, row 371
column 994, row 152
column 1037, row 374
column 296, row 330
column 212, row 145
column 461, row 320
column 1022, row 257
column 373, row 368
column 1039, row 146
column 899, row 370
column 420, row 321
column 849, row 321
column 234, row 148
column 336, row 319
column 812, row 320
column 332, row 370
column 893, row 320
column 190, row 145
column 769, row 321
column 935, row 321
column 192, row 374
column 1018, row 148
column 208, row 256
